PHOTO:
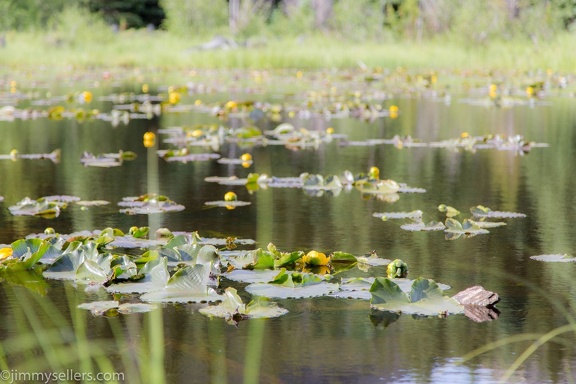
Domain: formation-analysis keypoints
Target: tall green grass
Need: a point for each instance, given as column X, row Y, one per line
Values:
column 80, row 49
column 42, row 338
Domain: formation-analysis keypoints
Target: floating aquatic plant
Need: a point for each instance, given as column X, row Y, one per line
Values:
column 106, row 160
column 113, row 308
column 14, row 155
column 555, row 258
column 397, row 268
column 417, row 214
column 149, row 203
column 425, row 298
column 455, row 229
column 188, row 285
column 419, row 225
column 450, row 211
column 233, row 309
column 292, row 285
column 48, row 207
column 485, row 212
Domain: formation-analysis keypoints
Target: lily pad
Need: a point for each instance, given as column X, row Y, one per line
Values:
column 113, row 308
column 467, row 228
column 417, row 214
column 106, row 160
column 223, row 203
column 40, row 207
column 555, row 258
column 187, row 285
column 148, row 204
column 251, row 276
column 92, row 203
column 485, row 212
column 155, row 278
column 421, row 226
column 293, row 285
column 233, row 309
column 425, row 298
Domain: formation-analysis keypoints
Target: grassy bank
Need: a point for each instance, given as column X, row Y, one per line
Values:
column 141, row 49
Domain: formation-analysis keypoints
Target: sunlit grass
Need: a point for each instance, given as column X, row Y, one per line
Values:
column 46, row 340
column 164, row 51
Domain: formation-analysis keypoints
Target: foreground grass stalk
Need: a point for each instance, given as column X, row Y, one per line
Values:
column 155, row 366
column 532, row 348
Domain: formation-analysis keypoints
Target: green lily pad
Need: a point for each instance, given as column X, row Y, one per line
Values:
column 187, row 285
column 425, row 298
column 148, row 204
column 155, row 278
column 465, row 228
column 293, row 285
column 252, row 276
column 233, row 309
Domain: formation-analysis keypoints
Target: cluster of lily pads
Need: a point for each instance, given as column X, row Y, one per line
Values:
column 477, row 224
column 369, row 184
column 186, row 268
column 51, row 206
column 515, row 143
column 214, row 136
column 106, row 160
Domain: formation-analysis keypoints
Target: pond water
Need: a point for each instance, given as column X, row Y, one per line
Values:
column 321, row 339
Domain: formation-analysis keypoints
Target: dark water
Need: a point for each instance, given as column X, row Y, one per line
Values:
column 327, row 339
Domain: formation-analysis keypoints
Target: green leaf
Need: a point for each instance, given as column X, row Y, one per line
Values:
column 384, row 291
column 140, row 233
column 263, row 260
column 425, row 298
column 423, row 289
column 23, row 246
column 90, row 272
column 343, row 257
column 177, row 241
column 233, row 309
column 287, row 258
column 188, row 284
column 453, row 225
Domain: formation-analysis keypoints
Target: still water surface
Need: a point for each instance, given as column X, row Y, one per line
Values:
column 327, row 339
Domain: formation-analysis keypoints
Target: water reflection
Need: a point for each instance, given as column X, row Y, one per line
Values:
column 332, row 338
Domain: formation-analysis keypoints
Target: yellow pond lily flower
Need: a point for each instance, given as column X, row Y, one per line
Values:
column 316, row 258
column 5, row 253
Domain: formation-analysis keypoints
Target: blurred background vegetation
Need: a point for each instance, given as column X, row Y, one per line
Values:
column 185, row 24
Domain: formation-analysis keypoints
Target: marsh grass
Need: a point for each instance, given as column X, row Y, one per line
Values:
column 43, row 339
column 79, row 47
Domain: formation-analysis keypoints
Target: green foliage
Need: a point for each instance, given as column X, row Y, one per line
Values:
column 31, row 14
column 192, row 18
column 359, row 19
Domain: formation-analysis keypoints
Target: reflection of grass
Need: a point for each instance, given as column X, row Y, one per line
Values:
column 46, row 340
column 160, row 49
column 537, row 339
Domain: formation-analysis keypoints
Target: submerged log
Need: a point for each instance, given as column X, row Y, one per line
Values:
column 478, row 296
